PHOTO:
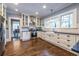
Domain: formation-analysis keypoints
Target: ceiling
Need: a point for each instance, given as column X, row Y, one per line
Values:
column 31, row 8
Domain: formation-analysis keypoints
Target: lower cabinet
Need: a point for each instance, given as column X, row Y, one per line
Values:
column 67, row 40
column 64, row 40
column 25, row 36
column 39, row 34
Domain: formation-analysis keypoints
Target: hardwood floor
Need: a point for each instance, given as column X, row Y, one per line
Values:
column 34, row 48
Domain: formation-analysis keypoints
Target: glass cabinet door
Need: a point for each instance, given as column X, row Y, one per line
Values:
column 38, row 22
column 26, row 20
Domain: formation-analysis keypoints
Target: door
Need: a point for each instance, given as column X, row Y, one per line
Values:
column 15, row 24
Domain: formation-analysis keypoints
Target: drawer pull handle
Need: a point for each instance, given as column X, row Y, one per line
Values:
column 58, row 42
column 68, row 45
column 58, row 38
column 68, row 40
column 58, row 34
column 68, row 35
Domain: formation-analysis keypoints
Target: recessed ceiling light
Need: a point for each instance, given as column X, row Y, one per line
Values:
column 44, row 6
column 36, row 13
column 16, row 3
column 16, row 9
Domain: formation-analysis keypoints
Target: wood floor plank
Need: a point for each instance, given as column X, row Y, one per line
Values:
column 34, row 48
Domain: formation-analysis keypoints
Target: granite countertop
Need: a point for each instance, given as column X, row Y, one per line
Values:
column 66, row 33
column 61, row 32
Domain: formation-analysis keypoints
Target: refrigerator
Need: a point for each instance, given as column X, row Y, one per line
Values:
column 2, row 40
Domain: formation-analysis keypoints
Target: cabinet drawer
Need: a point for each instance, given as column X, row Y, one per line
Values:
column 68, row 44
column 68, row 37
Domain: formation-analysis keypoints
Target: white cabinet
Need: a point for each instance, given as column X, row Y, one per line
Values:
column 29, row 21
column 42, row 23
column 39, row 34
column 32, row 20
column 68, row 40
column 38, row 24
column 25, row 21
column 2, row 10
column 43, row 35
column 64, row 40
column 25, row 36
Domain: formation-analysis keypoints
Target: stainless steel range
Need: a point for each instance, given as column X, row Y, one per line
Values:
column 2, row 40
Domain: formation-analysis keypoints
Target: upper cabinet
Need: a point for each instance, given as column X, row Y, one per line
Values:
column 3, row 10
column 42, row 22
column 25, row 20
column 28, row 21
column 0, row 8
column 32, row 21
column 38, row 22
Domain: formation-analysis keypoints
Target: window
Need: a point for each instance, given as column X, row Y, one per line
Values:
column 66, row 21
column 52, row 23
column 55, row 22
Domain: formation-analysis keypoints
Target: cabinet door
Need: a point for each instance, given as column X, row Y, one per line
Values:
column 52, row 37
column 68, row 40
column 39, row 34
column 25, row 20
column 42, row 23
column 38, row 22
column 0, row 8
column 43, row 35
column 48, row 37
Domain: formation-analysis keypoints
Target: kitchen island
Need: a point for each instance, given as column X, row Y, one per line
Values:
column 26, row 34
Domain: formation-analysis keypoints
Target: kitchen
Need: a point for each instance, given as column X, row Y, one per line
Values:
column 42, row 25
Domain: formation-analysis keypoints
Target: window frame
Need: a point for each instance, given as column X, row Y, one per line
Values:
column 69, row 21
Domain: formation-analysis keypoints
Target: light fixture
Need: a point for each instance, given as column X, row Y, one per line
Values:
column 16, row 3
column 36, row 13
column 51, row 10
column 16, row 9
column 44, row 6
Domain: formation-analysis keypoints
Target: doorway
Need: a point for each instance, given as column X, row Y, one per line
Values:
column 15, row 28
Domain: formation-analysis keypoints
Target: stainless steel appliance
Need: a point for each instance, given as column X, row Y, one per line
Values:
column 2, row 40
